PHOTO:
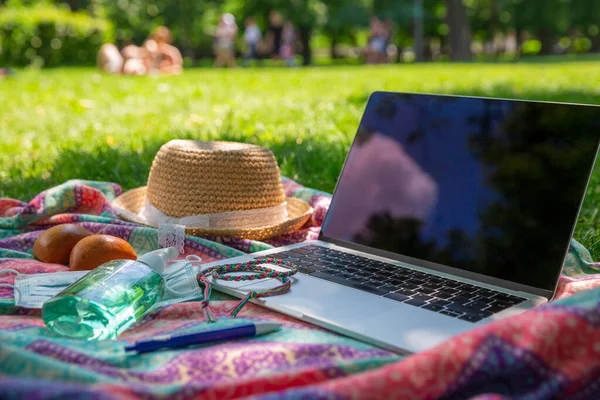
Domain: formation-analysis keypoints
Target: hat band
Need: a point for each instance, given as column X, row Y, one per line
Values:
column 245, row 219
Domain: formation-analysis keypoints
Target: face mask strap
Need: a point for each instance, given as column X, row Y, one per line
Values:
column 16, row 290
column 14, row 271
column 192, row 258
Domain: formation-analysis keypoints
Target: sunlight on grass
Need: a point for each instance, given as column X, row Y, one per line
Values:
column 76, row 123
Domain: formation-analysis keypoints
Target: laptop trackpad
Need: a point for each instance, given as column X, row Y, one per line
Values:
column 362, row 315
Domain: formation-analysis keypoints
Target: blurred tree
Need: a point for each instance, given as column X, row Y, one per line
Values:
column 459, row 30
column 418, row 34
column 585, row 16
column 344, row 17
column 545, row 19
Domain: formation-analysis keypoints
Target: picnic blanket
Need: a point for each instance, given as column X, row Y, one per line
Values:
column 549, row 352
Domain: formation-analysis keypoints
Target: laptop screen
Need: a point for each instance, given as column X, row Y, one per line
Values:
column 489, row 186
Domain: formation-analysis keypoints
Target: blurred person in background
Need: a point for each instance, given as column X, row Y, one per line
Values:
column 156, row 55
column 109, row 59
column 376, row 46
column 225, row 39
column 275, row 33
column 166, row 57
column 252, row 36
column 133, row 63
column 288, row 44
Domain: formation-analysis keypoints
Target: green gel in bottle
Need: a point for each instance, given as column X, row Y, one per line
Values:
column 110, row 298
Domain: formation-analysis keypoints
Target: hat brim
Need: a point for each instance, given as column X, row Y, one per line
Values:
column 298, row 210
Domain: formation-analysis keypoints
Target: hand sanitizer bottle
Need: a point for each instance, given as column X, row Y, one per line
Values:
column 110, row 298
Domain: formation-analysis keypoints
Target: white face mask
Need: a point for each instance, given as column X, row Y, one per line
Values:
column 32, row 291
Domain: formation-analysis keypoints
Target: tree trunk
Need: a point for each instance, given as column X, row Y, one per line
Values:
column 547, row 40
column 333, row 47
column 418, row 35
column 595, row 44
column 305, row 34
column 494, row 25
column 460, row 30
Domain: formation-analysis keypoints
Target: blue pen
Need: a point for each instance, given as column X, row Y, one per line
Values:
column 234, row 332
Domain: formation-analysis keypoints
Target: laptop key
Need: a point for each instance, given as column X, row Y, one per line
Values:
column 452, row 284
column 434, row 285
column 306, row 270
column 468, row 289
column 318, row 266
column 448, row 290
column 471, row 318
column 440, row 303
column 415, row 302
column 443, row 295
column 396, row 296
column 363, row 273
column 432, row 307
column 485, row 292
column 371, row 289
column 387, row 288
column 423, row 297
column 498, row 306
column 330, row 271
column 417, row 282
column 395, row 282
column 449, row 313
column 477, row 305
column 402, row 272
column 389, row 268
column 425, row 290
column 345, row 282
column 370, row 269
column 405, row 292
column 467, row 310
column 461, row 300
column 409, row 286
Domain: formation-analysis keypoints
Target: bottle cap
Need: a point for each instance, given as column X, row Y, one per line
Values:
column 158, row 259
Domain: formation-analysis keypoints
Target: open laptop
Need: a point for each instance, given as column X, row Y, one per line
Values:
column 450, row 212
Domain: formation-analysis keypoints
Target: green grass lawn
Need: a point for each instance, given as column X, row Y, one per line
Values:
column 76, row 123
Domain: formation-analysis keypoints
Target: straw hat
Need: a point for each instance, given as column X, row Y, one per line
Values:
column 215, row 188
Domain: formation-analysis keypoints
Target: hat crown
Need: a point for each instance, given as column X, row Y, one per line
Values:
column 190, row 177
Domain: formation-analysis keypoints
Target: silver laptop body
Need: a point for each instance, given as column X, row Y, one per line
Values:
column 372, row 281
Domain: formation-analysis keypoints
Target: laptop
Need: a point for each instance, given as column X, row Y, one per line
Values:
column 450, row 212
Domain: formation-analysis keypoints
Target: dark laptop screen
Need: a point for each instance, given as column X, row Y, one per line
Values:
column 489, row 186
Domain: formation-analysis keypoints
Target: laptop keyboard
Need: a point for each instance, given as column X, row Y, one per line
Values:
column 416, row 288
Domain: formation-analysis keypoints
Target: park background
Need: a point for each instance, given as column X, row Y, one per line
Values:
column 61, row 118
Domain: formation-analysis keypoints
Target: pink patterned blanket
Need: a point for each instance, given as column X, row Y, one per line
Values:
column 549, row 352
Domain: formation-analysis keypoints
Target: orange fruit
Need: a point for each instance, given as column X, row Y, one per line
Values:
column 95, row 250
column 54, row 245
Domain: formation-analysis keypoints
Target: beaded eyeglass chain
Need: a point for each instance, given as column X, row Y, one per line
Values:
column 258, row 272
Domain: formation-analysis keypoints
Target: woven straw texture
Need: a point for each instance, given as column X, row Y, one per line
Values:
column 190, row 177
